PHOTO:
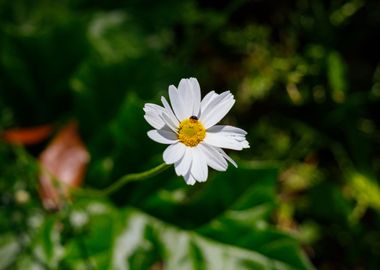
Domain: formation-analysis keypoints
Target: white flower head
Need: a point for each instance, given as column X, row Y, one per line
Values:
column 189, row 127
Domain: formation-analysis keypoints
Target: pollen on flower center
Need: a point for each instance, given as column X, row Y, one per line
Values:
column 191, row 132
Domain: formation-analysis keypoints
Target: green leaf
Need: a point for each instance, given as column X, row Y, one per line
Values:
column 336, row 71
column 9, row 249
column 181, row 249
column 239, row 237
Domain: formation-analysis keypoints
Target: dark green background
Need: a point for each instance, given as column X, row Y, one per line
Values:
column 306, row 77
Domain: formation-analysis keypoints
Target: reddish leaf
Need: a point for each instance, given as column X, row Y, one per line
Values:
column 27, row 136
column 63, row 164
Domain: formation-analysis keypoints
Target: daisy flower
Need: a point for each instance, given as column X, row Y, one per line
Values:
column 189, row 127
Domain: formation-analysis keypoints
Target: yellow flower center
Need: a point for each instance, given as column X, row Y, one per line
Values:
column 191, row 132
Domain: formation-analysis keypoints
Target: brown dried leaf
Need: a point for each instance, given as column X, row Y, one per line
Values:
column 64, row 164
column 27, row 136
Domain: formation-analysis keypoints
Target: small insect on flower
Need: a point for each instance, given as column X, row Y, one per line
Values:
column 189, row 127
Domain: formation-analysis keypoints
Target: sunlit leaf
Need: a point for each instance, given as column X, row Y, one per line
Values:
column 366, row 192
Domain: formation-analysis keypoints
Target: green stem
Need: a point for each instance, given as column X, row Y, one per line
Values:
column 94, row 192
column 121, row 182
column 134, row 177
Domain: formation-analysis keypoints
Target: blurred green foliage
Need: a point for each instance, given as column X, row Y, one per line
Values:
column 307, row 79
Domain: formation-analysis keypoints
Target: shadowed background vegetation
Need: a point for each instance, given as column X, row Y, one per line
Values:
column 306, row 77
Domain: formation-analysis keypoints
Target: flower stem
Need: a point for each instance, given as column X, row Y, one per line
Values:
column 85, row 192
column 133, row 177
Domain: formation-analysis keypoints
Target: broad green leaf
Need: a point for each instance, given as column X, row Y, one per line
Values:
column 239, row 237
column 141, row 240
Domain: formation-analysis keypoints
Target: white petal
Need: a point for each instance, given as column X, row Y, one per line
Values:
column 189, row 179
column 163, row 136
column 227, row 129
column 152, row 115
column 153, row 107
column 186, row 96
column 245, row 144
column 213, row 157
column 183, row 166
column 176, row 102
column 219, row 113
column 207, row 99
column 173, row 153
column 154, row 120
column 231, row 134
column 199, row 168
column 168, row 121
column 196, row 89
column 223, row 141
column 213, row 101
column 217, row 109
column 227, row 157
column 169, row 111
